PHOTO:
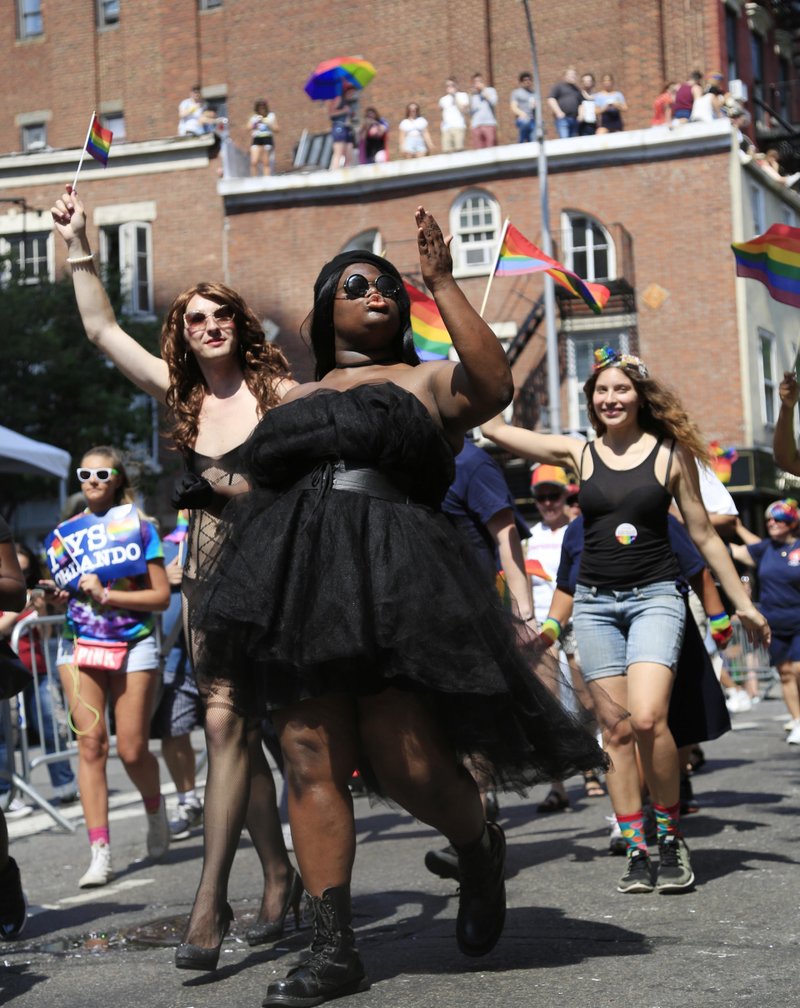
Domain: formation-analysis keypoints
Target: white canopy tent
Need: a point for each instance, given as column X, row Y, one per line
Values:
column 20, row 454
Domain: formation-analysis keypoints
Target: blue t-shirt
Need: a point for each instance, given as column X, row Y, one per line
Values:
column 89, row 619
column 478, row 492
column 690, row 560
column 778, row 567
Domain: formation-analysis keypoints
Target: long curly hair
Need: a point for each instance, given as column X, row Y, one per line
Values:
column 317, row 328
column 660, row 411
column 263, row 364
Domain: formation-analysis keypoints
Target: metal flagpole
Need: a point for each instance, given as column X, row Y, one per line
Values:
column 553, row 364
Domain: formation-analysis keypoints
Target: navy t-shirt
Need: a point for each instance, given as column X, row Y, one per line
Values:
column 778, row 566
column 478, row 492
column 690, row 560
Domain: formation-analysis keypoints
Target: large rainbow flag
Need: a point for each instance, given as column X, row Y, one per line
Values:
column 774, row 259
column 98, row 142
column 518, row 255
column 431, row 339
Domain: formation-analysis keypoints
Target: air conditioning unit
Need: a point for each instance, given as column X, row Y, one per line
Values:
column 738, row 89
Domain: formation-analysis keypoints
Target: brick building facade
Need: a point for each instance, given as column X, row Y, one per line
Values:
column 650, row 211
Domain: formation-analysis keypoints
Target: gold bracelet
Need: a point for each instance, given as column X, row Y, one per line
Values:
column 81, row 259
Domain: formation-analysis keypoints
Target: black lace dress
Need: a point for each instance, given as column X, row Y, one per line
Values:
column 316, row 589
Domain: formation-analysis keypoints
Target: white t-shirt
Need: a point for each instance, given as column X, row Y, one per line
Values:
column 544, row 545
column 451, row 106
column 715, row 496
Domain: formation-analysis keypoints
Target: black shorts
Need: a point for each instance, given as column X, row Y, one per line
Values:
column 261, row 141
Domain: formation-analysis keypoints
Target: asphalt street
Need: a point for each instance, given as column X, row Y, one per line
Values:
column 570, row 938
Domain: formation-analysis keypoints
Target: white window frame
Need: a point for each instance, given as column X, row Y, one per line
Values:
column 205, row 5
column 130, row 264
column 27, row 131
column 768, row 384
column 27, row 17
column 370, row 239
column 618, row 338
column 45, row 263
column 114, row 121
column 570, row 246
column 462, row 245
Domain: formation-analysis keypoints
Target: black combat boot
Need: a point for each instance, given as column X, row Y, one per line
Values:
column 482, row 896
column 333, row 968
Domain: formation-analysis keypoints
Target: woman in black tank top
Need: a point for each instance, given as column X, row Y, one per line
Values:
column 628, row 615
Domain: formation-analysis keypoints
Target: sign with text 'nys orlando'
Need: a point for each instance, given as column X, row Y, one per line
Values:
column 108, row 545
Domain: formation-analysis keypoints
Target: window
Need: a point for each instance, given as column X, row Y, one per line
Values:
column 369, row 240
column 27, row 258
column 731, row 43
column 769, row 384
column 114, row 121
column 29, row 18
column 34, row 137
column 475, row 225
column 127, row 248
column 587, row 247
column 757, row 208
column 580, row 360
column 107, row 13
column 757, row 59
column 208, row 4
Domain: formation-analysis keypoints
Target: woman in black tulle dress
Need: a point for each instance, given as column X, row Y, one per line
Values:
column 346, row 591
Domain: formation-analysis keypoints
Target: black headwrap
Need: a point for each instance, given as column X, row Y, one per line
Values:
column 349, row 257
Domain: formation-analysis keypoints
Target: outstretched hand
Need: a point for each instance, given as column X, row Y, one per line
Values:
column 69, row 217
column 435, row 260
column 788, row 389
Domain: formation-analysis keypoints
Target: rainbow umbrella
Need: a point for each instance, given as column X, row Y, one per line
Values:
column 331, row 76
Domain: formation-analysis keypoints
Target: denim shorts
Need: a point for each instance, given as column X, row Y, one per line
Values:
column 142, row 656
column 615, row 629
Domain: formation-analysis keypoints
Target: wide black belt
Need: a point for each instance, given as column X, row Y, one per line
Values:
column 357, row 479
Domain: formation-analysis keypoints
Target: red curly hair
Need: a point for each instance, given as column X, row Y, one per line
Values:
column 263, row 364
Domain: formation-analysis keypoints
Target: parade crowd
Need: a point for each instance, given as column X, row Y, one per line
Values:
column 351, row 586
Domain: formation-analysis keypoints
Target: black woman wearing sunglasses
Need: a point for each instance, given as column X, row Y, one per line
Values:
column 343, row 588
column 217, row 376
column 119, row 616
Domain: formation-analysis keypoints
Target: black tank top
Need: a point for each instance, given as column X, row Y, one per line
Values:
column 625, row 541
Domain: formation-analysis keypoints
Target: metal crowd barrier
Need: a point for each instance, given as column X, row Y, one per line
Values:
column 746, row 661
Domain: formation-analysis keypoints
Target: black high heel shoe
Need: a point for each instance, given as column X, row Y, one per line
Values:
column 266, row 931
column 195, row 957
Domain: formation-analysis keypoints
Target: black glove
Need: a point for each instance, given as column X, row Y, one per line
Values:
column 191, row 491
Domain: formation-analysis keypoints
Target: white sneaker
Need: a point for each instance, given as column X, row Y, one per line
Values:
column 738, row 701
column 793, row 738
column 17, row 809
column 100, row 871
column 790, row 725
column 158, row 832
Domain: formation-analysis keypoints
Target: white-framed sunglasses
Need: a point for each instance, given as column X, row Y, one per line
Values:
column 102, row 475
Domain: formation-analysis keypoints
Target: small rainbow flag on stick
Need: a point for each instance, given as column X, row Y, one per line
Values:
column 774, row 259
column 97, row 143
column 518, row 256
column 181, row 530
column 431, row 339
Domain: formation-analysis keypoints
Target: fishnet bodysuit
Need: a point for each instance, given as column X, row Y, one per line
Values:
column 239, row 786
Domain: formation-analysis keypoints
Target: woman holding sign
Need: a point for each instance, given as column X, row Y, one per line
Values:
column 107, row 651
column 218, row 377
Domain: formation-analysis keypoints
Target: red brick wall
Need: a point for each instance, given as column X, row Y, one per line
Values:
column 258, row 49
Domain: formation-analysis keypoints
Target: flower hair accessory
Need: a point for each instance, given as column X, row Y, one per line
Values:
column 607, row 356
column 784, row 511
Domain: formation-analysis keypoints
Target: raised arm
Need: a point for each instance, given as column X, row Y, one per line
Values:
column 784, row 447
column 556, row 449
column 685, row 486
column 144, row 369
column 480, row 385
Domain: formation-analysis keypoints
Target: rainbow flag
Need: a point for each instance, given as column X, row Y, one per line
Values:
column 774, row 259
column 98, row 142
column 518, row 255
column 431, row 339
column 181, row 530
